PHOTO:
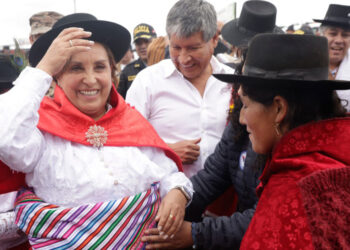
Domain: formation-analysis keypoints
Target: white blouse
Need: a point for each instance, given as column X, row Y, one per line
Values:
column 67, row 173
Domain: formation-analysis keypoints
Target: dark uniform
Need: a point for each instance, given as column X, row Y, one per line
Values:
column 128, row 75
column 142, row 31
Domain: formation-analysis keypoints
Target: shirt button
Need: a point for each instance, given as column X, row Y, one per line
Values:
column 116, row 182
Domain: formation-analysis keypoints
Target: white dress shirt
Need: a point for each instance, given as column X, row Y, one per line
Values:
column 177, row 110
column 67, row 173
column 344, row 74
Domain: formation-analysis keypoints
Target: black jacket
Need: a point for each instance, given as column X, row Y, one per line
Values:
column 128, row 75
column 221, row 170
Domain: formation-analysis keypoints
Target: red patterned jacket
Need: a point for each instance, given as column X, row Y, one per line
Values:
column 282, row 219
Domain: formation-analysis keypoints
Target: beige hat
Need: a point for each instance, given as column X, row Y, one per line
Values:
column 42, row 22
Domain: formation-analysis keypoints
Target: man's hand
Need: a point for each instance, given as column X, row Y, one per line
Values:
column 187, row 150
column 182, row 239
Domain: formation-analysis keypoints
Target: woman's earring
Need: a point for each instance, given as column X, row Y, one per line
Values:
column 277, row 129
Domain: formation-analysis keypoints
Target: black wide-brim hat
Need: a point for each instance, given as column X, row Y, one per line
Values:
column 286, row 61
column 113, row 35
column 8, row 73
column 256, row 17
column 337, row 15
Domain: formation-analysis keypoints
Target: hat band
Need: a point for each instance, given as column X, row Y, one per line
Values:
column 313, row 74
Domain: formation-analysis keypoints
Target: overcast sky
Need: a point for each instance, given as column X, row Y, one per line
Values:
column 15, row 14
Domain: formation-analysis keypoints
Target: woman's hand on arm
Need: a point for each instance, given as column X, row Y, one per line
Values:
column 171, row 213
column 68, row 42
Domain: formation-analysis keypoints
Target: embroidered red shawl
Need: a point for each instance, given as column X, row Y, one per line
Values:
column 124, row 125
column 280, row 220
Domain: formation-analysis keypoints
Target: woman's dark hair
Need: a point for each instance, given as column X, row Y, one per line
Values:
column 240, row 134
column 304, row 104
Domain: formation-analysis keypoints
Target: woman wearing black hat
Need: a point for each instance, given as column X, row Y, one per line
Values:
column 336, row 28
column 293, row 115
column 97, row 166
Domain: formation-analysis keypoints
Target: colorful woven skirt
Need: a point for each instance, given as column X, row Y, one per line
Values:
column 117, row 224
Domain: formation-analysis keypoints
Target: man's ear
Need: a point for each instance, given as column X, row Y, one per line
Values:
column 281, row 108
column 215, row 39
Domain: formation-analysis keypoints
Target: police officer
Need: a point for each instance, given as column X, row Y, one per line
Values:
column 143, row 35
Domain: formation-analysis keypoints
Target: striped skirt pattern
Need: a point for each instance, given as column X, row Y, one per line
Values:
column 116, row 224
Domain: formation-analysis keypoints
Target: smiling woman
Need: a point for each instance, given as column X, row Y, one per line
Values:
column 294, row 116
column 96, row 169
column 87, row 81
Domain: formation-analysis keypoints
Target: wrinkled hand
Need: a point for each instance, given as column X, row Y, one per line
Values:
column 182, row 239
column 171, row 213
column 187, row 150
column 61, row 49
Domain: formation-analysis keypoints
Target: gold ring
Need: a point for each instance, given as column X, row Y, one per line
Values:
column 71, row 43
column 171, row 216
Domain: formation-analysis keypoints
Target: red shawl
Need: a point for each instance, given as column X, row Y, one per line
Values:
column 124, row 125
column 280, row 220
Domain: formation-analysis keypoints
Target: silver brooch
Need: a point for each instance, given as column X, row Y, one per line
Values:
column 96, row 135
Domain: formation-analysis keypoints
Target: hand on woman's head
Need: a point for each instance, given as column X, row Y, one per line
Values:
column 68, row 42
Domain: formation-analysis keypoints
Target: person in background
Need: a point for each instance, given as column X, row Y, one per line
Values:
column 304, row 29
column 6, row 50
column 224, row 52
column 290, row 29
column 336, row 28
column 41, row 23
column 256, row 17
column 143, row 35
column 157, row 50
column 127, row 58
column 67, row 146
column 294, row 116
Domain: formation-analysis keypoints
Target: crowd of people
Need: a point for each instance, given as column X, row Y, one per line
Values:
column 218, row 136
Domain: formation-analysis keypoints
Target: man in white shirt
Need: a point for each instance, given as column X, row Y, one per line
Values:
column 336, row 28
column 186, row 105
